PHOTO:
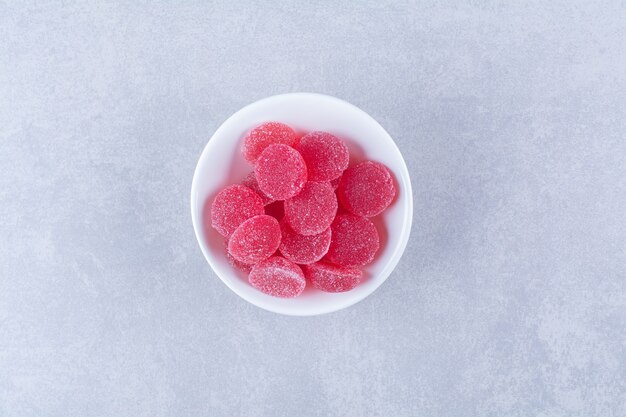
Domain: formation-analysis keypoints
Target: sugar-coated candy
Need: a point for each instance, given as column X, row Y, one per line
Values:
column 354, row 241
column 313, row 210
column 255, row 239
column 251, row 182
column 278, row 277
column 264, row 135
column 246, row 268
column 280, row 172
column 326, row 155
column 332, row 278
column 303, row 249
column 232, row 206
column 366, row 188
column 302, row 214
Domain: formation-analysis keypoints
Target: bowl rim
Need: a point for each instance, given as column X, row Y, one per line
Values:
column 389, row 266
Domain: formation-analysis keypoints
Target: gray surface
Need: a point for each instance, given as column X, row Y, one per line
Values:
column 511, row 296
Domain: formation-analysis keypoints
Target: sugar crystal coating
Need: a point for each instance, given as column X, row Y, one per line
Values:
column 354, row 241
column 232, row 206
column 326, row 156
column 313, row 210
column 280, row 172
column 303, row 249
column 255, row 239
column 264, row 135
column 332, row 278
column 251, row 182
column 366, row 188
column 246, row 268
column 278, row 277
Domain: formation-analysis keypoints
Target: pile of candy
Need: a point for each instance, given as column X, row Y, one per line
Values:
column 302, row 214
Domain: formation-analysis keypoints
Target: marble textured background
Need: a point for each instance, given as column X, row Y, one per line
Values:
column 510, row 299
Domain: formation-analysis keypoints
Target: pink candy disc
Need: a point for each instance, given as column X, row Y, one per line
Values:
column 332, row 278
column 326, row 156
column 246, row 268
column 313, row 210
column 303, row 249
column 354, row 241
column 264, row 135
column 250, row 182
column 280, row 172
column 366, row 188
column 278, row 277
column 255, row 239
column 232, row 206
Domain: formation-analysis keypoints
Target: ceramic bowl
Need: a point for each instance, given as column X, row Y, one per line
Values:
column 221, row 164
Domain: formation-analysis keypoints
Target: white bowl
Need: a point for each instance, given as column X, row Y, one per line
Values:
column 221, row 164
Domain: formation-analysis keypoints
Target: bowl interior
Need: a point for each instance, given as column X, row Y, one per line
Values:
column 221, row 164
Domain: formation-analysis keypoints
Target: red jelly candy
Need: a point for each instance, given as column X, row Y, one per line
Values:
column 354, row 241
column 332, row 278
column 278, row 276
column 236, row 264
column 303, row 249
column 335, row 183
column 366, row 188
column 280, row 172
column 250, row 182
column 255, row 239
column 232, row 206
column 313, row 210
column 326, row 156
column 264, row 135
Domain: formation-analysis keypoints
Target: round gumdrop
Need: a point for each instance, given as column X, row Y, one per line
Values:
column 250, row 182
column 255, row 239
column 326, row 156
column 313, row 210
column 366, row 188
column 232, row 206
column 246, row 268
column 264, row 135
column 354, row 241
column 332, row 278
column 303, row 249
column 280, row 172
column 278, row 277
